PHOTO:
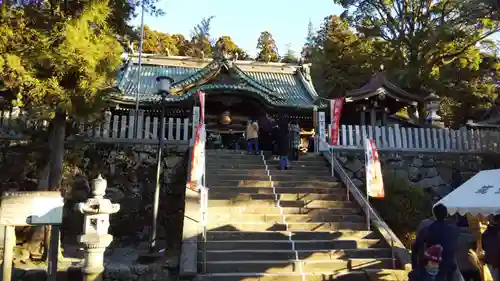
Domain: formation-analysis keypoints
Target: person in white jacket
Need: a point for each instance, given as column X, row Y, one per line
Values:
column 252, row 134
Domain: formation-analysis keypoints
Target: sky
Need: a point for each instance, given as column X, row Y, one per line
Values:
column 286, row 19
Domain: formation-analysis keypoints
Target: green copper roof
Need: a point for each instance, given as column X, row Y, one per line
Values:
column 279, row 88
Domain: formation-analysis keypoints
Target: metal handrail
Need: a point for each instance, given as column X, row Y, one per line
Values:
column 370, row 213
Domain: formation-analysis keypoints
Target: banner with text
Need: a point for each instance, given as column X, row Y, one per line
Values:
column 198, row 158
column 335, row 110
column 201, row 95
column 374, row 182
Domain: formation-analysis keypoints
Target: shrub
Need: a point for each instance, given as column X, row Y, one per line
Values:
column 403, row 207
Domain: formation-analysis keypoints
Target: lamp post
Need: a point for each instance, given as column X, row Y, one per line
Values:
column 163, row 86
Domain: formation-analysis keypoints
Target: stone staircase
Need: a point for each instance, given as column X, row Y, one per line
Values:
column 297, row 227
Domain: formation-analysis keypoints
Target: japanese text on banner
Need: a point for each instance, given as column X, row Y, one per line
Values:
column 198, row 157
column 374, row 182
column 335, row 111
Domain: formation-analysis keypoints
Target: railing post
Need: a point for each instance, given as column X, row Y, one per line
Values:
column 330, row 149
column 368, row 215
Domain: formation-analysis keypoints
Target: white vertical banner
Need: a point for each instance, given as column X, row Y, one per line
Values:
column 374, row 182
column 321, row 125
column 321, row 142
column 202, row 106
column 198, row 158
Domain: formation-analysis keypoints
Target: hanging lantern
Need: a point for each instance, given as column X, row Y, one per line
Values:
column 225, row 118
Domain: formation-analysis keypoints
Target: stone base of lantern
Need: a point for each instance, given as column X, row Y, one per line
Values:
column 94, row 247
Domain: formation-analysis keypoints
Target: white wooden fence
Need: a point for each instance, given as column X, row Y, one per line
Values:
column 420, row 139
column 113, row 127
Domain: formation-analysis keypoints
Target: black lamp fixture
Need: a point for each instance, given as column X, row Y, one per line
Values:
column 163, row 85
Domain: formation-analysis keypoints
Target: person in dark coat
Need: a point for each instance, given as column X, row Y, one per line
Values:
column 275, row 132
column 467, row 260
column 283, row 143
column 265, row 137
column 430, row 271
column 491, row 246
column 295, row 139
column 440, row 232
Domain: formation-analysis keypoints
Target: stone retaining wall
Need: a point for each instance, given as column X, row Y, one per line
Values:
column 130, row 171
column 140, row 272
column 439, row 173
column 115, row 272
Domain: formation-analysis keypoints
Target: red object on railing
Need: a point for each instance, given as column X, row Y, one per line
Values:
column 335, row 110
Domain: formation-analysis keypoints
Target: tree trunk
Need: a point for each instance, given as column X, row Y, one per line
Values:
column 422, row 114
column 50, row 176
column 49, row 179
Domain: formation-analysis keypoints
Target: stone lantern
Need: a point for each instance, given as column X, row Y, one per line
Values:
column 95, row 237
column 433, row 101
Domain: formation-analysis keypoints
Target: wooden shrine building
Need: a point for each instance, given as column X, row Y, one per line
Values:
column 236, row 90
column 377, row 102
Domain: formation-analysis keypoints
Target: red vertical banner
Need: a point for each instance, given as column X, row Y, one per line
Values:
column 201, row 95
column 374, row 182
column 335, row 111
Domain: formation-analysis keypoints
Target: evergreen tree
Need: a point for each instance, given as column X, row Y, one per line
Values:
column 310, row 33
column 201, row 44
column 423, row 37
column 226, row 46
column 290, row 56
column 268, row 52
column 307, row 49
column 341, row 60
column 58, row 70
column 57, row 67
column 156, row 42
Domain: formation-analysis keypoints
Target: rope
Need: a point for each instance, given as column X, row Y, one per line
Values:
column 283, row 218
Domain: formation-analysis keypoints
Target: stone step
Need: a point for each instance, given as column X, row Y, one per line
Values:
column 216, row 152
column 278, row 218
column 320, row 163
column 284, row 235
column 364, row 275
column 257, row 203
column 279, row 190
column 214, row 178
column 262, row 209
column 268, row 183
column 248, row 255
column 211, row 165
column 239, row 196
column 294, row 226
column 299, row 245
column 261, row 172
column 251, row 157
column 289, row 266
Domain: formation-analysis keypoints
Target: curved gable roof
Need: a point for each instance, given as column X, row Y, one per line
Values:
column 281, row 82
column 379, row 84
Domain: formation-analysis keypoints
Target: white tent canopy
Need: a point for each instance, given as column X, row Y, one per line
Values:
column 478, row 196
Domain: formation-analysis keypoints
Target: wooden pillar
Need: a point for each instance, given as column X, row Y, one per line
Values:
column 362, row 113
column 373, row 117
column 384, row 115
